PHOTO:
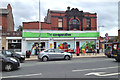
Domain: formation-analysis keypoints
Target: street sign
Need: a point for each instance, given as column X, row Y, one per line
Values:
column 106, row 37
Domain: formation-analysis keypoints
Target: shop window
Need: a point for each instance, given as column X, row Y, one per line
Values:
column 14, row 40
column 19, row 41
column 74, row 24
column 74, row 21
column 60, row 23
column 9, row 41
column 0, row 27
column 14, row 45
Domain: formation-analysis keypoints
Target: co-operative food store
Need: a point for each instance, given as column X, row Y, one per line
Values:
column 71, row 27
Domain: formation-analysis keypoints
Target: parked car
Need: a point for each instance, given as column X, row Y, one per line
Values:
column 10, row 53
column 108, row 50
column 50, row 54
column 116, row 51
column 8, row 63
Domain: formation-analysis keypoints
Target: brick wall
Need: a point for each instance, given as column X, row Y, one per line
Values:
column 51, row 22
column 30, row 25
column 3, row 22
column 6, row 20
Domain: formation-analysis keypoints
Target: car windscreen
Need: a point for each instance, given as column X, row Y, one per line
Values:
column 108, row 48
column 8, row 52
column 2, row 56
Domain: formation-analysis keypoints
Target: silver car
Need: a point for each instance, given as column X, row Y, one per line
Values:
column 49, row 54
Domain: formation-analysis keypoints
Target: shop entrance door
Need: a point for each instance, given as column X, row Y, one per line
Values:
column 77, row 48
column 42, row 46
column 77, row 44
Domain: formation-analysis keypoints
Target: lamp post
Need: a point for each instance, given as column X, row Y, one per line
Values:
column 39, row 28
column 99, row 37
column 99, row 28
column 74, row 43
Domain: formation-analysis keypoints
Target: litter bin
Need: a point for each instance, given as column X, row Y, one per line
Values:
column 28, row 54
column 98, row 51
column 77, row 54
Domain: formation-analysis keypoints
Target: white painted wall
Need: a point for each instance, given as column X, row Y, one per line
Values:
column 24, row 46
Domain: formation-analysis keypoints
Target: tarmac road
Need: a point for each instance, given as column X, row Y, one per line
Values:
column 97, row 67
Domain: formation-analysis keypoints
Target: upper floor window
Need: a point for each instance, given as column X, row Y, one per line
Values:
column 59, row 22
column 74, row 21
column 0, row 27
column 88, row 23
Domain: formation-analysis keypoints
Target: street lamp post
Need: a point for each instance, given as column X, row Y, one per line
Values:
column 39, row 28
column 99, row 37
column 99, row 28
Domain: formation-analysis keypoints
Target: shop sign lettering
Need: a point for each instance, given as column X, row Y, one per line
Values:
column 58, row 34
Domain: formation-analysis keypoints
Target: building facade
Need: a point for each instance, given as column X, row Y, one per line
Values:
column 9, row 39
column 71, row 27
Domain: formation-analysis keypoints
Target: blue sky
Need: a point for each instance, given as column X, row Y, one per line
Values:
column 28, row 10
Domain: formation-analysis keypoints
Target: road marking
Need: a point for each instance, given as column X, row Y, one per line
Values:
column 22, row 75
column 102, row 74
column 95, row 69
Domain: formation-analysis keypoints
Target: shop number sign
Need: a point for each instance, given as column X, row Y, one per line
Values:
column 106, row 37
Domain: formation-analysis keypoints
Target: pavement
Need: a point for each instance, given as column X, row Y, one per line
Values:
column 86, row 55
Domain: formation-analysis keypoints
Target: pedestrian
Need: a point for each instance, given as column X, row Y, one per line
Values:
column 3, row 52
column 3, row 48
column 35, row 50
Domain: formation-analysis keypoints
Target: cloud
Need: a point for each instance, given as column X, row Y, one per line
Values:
column 111, row 31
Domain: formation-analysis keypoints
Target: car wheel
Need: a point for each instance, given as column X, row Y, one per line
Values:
column 8, row 67
column 44, row 59
column 21, row 61
column 117, row 59
column 67, row 58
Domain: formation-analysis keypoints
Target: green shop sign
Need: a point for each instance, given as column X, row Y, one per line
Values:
column 45, row 35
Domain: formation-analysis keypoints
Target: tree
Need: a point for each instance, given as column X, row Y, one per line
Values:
column 20, row 28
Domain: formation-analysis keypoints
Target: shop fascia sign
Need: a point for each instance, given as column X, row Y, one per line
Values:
column 45, row 35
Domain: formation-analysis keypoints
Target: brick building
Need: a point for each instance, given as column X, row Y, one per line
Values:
column 8, row 37
column 66, row 20
column 6, row 19
column 72, row 26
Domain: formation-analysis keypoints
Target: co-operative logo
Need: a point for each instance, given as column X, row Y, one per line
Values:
column 58, row 34
column 49, row 34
